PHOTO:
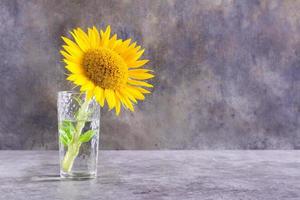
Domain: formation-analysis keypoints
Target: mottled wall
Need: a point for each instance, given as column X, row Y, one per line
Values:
column 228, row 72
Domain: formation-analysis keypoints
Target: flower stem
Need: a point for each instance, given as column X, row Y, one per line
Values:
column 74, row 146
column 70, row 156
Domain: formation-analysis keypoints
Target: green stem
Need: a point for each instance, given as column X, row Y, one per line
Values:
column 70, row 156
column 74, row 146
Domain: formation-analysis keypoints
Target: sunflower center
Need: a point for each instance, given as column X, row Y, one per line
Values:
column 105, row 68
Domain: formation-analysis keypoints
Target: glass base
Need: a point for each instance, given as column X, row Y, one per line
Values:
column 77, row 175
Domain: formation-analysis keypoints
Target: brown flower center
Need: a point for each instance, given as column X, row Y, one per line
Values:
column 105, row 68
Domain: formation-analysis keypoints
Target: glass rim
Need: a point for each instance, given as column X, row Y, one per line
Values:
column 69, row 92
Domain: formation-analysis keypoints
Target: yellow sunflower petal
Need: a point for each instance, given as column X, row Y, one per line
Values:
column 99, row 94
column 132, row 46
column 126, row 93
column 125, row 101
column 129, row 104
column 110, row 98
column 73, row 51
column 88, row 86
column 90, row 93
column 118, row 95
column 142, row 90
column 118, row 106
column 92, row 38
column 135, row 93
column 74, row 69
column 72, row 77
column 137, row 64
column 80, row 33
column 81, row 41
column 135, row 56
column 139, row 83
column 71, row 44
column 140, row 70
column 105, row 36
column 80, row 79
column 68, row 62
column 130, row 51
column 70, row 58
column 116, row 44
column 143, row 76
column 96, row 35
column 127, row 42
column 112, row 41
column 137, row 48
column 140, row 75
column 123, row 46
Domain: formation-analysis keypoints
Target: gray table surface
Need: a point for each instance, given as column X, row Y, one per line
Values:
column 155, row 175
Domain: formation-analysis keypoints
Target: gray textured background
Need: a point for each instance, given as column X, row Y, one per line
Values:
column 228, row 72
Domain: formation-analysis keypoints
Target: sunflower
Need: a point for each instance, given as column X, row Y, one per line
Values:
column 106, row 67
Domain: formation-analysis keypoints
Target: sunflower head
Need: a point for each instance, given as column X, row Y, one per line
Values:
column 106, row 67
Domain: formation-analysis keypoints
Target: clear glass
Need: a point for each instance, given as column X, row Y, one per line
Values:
column 78, row 133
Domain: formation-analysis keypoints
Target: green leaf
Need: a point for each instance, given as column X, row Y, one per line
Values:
column 66, row 132
column 87, row 136
column 69, row 127
column 63, row 140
